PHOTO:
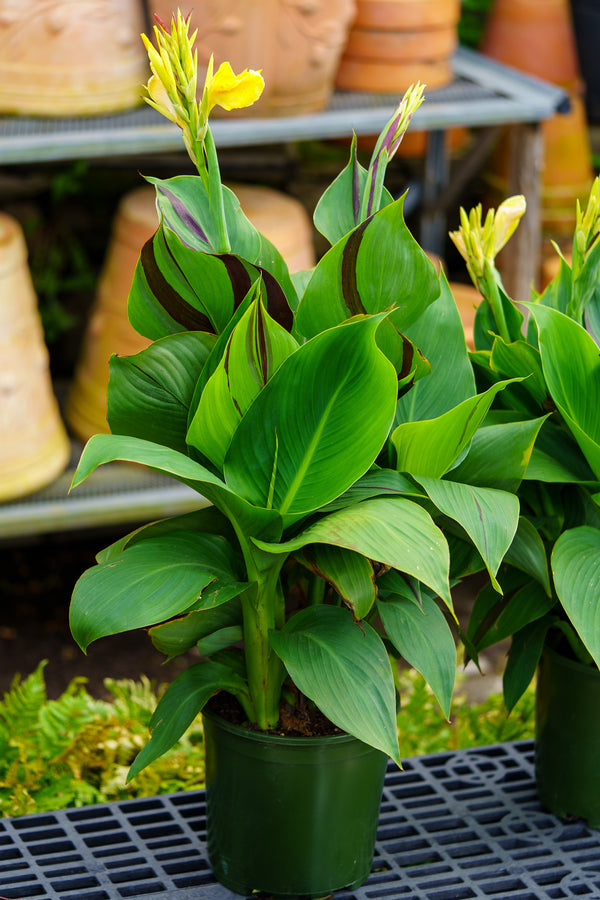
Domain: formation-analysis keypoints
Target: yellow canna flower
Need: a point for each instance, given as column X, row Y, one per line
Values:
column 508, row 216
column 479, row 241
column 231, row 91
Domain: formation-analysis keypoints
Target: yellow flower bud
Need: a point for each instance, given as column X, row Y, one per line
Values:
column 508, row 215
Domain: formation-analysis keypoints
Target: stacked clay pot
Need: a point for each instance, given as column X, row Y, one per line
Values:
column 282, row 219
column 65, row 58
column 34, row 448
column 394, row 43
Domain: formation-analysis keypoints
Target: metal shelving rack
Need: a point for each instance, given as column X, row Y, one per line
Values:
column 483, row 95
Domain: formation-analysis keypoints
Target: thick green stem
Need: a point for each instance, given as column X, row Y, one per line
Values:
column 215, row 194
column 263, row 611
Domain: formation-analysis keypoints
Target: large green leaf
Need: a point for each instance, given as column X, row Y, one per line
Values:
column 255, row 350
column 423, row 637
column 440, row 336
column 180, row 705
column 184, row 204
column 147, row 583
column 393, row 531
column 430, row 447
column 149, row 394
column 344, row 668
column 499, row 454
column 350, row 574
column 571, row 366
column 104, row 448
column 576, row 569
column 495, row 619
column 488, row 516
column 378, row 266
column 317, row 425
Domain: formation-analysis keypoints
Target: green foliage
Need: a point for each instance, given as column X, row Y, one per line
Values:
column 76, row 750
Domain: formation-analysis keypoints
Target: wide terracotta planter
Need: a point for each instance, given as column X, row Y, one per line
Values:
column 34, row 448
column 393, row 43
column 296, row 44
column 71, row 59
column 567, row 748
column 290, row 816
column 280, row 217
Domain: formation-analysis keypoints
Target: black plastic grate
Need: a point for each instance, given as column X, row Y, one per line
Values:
column 453, row 826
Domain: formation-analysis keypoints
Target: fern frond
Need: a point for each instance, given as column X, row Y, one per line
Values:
column 22, row 704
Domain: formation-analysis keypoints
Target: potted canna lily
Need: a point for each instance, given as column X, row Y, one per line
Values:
column 551, row 574
column 324, row 416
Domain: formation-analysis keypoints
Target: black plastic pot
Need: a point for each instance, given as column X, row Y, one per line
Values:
column 567, row 752
column 290, row 816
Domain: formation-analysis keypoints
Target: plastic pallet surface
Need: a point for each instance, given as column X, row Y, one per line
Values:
column 453, row 826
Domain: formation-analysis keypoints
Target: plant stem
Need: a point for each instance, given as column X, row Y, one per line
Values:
column 490, row 290
column 263, row 611
column 215, row 193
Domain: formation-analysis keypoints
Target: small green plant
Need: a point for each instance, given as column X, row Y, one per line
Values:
column 76, row 750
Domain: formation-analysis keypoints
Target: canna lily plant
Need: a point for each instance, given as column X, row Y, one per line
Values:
column 551, row 574
column 327, row 416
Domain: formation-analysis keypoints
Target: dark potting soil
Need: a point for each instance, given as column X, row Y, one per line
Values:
column 300, row 719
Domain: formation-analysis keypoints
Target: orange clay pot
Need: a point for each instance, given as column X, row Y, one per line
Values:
column 279, row 217
column 34, row 448
column 296, row 44
column 394, row 43
column 65, row 58
column 535, row 36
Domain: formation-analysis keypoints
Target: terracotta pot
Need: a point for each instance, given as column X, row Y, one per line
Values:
column 394, row 43
column 535, row 36
column 467, row 300
column 34, row 448
column 282, row 219
column 65, row 58
column 296, row 44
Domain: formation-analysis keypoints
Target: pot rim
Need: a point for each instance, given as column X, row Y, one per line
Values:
column 282, row 739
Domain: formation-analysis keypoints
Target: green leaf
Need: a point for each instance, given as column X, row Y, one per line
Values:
column 175, row 637
column 297, row 447
column 375, row 483
column 343, row 668
column 493, row 620
column 255, row 350
column 488, row 516
column 392, row 531
column 485, row 328
column 104, row 448
column 528, row 554
column 350, row 574
column 520, row 359
column 378, row 266
column 219, row 640
column 523, row 658
column 499, row 454
column 180, row 705
column 149, row 394
column 424, row 639
column 557, row 458
column 440, row 336
column 430, row 447
column 147, row 583
column 576, row 569
column 571, row 366
column 336, row 213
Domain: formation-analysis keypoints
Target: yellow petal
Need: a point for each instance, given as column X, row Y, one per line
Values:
column 232, row 91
